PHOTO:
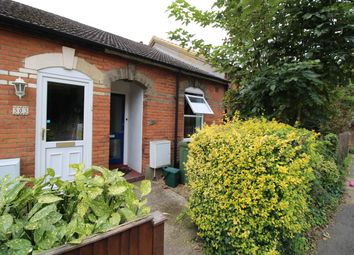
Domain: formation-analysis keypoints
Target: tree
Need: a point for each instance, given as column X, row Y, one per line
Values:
column 341, row 115
column 286, row 55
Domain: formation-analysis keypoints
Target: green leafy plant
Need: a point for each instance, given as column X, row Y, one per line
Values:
column 39, row 214
column 257, row 185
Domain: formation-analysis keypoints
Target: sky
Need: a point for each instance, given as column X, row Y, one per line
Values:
column 137, row 20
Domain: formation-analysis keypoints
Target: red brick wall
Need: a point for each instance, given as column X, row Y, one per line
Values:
column 17, row 133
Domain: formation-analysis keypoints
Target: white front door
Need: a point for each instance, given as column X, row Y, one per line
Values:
column 64, row 121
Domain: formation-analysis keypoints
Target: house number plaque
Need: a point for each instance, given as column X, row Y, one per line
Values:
column 19, row 110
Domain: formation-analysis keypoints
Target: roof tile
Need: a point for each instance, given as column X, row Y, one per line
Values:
column 16, row 11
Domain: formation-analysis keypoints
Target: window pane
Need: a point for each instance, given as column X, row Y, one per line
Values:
column 198, row 104
column 187, row 108
column 197, row 100
column 65, row 112
column 191, row 124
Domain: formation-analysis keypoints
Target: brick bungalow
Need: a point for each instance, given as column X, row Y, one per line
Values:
column 92, row 96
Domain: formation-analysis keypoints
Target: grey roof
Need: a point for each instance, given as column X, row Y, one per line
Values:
column 14, row 11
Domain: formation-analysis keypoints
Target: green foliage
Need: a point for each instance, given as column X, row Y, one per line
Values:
column 351, row 150
column 255, row 186
column 341, row 113
column 275, row 93
column 39, row 214
column 288, row 56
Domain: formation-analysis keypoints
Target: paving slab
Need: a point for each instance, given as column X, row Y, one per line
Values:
column 341, row 231
column 179, row 235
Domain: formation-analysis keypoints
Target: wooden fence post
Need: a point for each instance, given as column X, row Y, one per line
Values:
column 158, row 232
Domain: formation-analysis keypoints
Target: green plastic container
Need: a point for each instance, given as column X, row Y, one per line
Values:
column 183, row 153
column 172, row 176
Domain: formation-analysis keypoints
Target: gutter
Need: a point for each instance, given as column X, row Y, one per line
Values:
column 176, row 120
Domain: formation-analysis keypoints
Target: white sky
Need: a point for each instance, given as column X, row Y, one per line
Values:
column 137, row 20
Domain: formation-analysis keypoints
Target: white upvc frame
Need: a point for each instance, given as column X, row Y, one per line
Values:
column 58, row 74
column 198, row 108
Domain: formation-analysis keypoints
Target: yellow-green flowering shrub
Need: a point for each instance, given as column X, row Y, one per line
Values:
column 250, row 185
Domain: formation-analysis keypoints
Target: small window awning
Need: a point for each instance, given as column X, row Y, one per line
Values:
column 198, row 104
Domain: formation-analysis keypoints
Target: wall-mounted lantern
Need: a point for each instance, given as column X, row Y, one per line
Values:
column 20, row 87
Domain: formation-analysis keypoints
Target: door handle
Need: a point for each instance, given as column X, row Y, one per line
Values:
column 43, row 134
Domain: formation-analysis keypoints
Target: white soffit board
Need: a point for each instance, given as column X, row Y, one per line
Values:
column 198, row 104
column 10, row 167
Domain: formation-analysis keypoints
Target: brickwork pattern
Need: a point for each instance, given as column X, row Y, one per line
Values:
column 17, row 133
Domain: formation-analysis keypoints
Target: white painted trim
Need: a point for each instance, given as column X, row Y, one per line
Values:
column 64, row 76
column 141, row 131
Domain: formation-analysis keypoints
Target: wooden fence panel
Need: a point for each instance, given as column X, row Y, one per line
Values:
column 344, row 140
column 145, row 239
column 87, row 250
column 141, row 237
column 134, row 242
column 125, row 239
column 114, row 244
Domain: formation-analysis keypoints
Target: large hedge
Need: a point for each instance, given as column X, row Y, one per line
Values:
column 252, row 186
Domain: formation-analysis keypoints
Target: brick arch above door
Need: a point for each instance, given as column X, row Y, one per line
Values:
column 67, row 60
column 131, row 74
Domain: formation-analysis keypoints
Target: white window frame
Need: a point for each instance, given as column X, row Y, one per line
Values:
column 197, row 107
column 198, row 93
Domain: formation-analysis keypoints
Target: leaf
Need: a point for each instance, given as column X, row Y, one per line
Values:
column 33, row 225
column 17, row 229
column 94, row 192
column 38, row 235
column 43, row 213
column 145, row 187
column 70, row 228
column 127, row 214
column 48, row 241
column 307, row 16
column 77, row 167
column 77, row 240
column 115, row 219
column 144, row 211
column 82, row 208
column 22, row 245
column 6, row 222
column 3, row 249
column 34, row 209
column 100, row 208
column 92, row 217
column 50, row 172
column 53, row 217
column 12, row 193
column 48, row 199
column 103, row 225
column 116, row 190
column 98, row 181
